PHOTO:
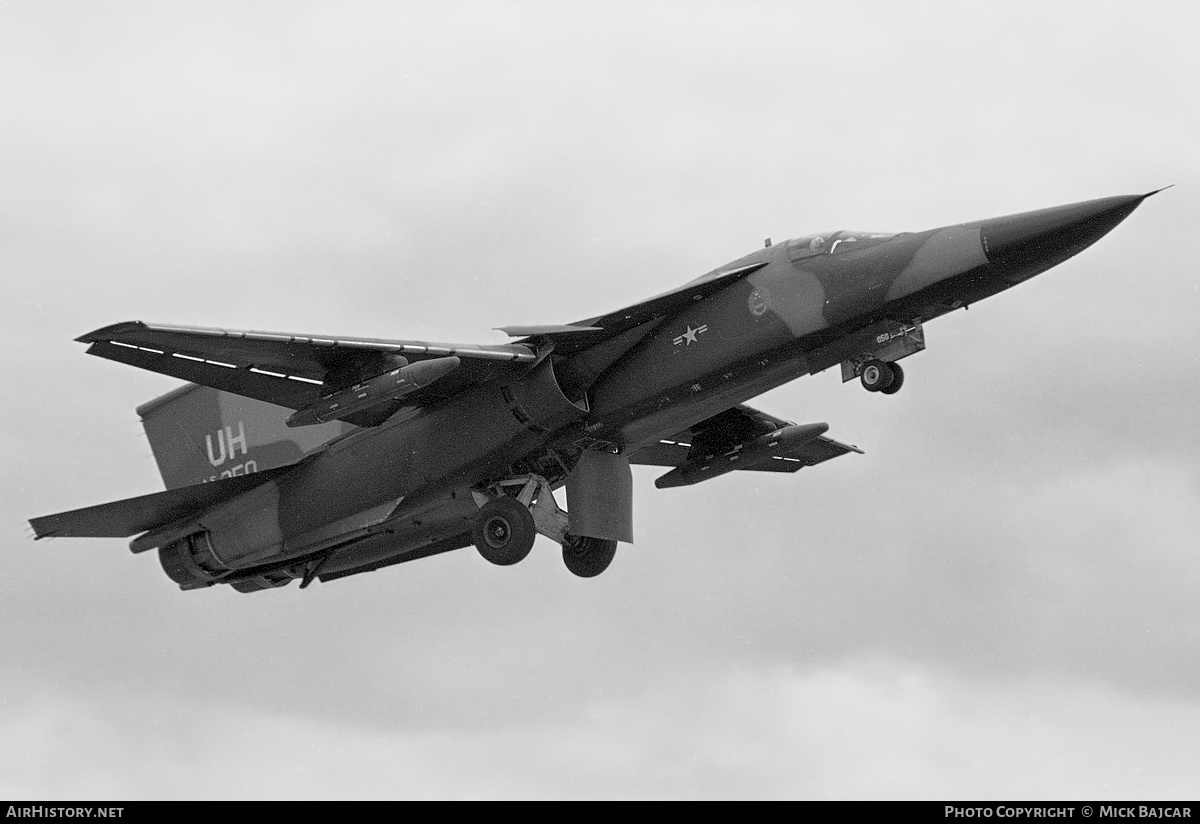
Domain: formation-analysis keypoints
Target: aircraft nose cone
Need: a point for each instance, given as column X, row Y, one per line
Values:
column 1025, row 244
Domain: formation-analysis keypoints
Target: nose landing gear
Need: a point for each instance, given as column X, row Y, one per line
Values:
column 872, row 354
column 877, row 376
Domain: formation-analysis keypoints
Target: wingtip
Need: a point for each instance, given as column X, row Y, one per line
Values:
column 32, row 528
column 107, row 332
column 1156, row 191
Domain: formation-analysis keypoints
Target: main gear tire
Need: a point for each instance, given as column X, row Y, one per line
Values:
column 876, row 376
column 503, row 531
column 588, row 557
column 897, row 380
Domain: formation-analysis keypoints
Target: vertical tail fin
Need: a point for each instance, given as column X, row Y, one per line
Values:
column 200, row 434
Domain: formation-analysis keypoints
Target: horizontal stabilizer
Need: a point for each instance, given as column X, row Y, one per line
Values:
column 121, row 519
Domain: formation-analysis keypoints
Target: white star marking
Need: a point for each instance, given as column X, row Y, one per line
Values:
column 690, row 336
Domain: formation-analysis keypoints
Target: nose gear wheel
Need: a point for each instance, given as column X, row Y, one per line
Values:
column 897, row 380
column 877, row 376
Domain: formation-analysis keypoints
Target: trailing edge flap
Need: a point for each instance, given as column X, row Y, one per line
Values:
column 295, row 370
column 724, row 431
column 584, row 334
column 121, row 519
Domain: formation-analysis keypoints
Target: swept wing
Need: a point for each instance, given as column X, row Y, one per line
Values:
column 731, row 431
column 295, row 370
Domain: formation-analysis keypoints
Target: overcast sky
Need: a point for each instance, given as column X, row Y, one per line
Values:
column 999, row 599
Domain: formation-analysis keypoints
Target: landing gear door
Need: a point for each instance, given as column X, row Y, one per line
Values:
column 600, row 497
column 888, row 341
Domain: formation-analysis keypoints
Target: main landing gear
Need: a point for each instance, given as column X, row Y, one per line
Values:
column 503, row 531
column 877, row 376
column 506, row 525
column 588, row 557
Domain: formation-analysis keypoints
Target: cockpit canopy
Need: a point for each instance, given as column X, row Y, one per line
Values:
column 833, row 243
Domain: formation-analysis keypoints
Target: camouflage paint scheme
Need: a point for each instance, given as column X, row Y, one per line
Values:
column 257, row 503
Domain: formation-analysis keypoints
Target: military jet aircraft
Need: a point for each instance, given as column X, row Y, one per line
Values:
column 318, row 457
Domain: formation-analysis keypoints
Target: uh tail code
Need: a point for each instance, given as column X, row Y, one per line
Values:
column 226, row 449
